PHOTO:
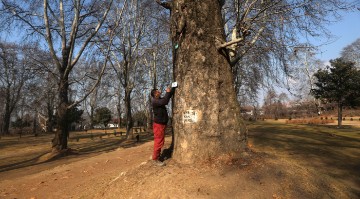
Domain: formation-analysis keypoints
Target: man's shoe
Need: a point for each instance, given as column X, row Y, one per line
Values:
column 159, row 163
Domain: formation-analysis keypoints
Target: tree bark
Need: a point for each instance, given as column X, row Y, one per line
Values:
column 339, row 114
column 119, row 112
column 206, row 113
column 35, row 124
column 129, row 119
column 6, row 121
column 61, row 135
column 50, row 114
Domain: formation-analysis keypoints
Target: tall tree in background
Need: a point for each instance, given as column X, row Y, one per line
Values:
column 67, row 28
column 14, row 72
column 339, row 83
column 157, row 54
column 352, row 53
column 100, row 95
column 42, row 90
column 125, row 55
column 302, row 79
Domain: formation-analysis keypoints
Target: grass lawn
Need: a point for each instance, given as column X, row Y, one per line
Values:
column 322, row 154
column 330, row 151
column 27, row 151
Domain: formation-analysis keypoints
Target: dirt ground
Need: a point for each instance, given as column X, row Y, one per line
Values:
column 127, row 172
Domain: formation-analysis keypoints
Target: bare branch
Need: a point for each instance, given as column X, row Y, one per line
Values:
column 251, row 44
column 48, row 36
column 166, row 5
column 90, row 37
column 224, row 45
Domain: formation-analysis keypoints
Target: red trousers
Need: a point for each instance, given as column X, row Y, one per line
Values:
column 159, row 138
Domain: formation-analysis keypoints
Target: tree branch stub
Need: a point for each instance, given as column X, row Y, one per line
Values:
column 167, row 5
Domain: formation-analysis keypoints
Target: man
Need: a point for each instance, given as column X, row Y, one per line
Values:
column 160, row 120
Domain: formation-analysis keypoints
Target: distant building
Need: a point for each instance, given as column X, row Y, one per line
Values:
column 247, row 110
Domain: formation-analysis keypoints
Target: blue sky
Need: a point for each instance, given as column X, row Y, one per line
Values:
column 346, row 31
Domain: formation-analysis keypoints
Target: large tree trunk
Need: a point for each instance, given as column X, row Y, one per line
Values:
column 129, row 119
column 60, row 141
column 206, row 113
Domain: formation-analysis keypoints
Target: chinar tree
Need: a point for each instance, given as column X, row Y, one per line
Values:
column 206, row 116
column 338, row 83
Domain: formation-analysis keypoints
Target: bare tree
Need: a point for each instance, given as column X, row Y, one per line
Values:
column 42, row 89
column 157, row 54
column 66, row 25
column 13, row 75
column 101, row 93
column 302, row 79
column 269, row 106
column 352, row 52
column 126, row 53
column 262, row 36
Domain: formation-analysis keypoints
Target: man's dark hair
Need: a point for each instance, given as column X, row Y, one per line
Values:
column 153, row 92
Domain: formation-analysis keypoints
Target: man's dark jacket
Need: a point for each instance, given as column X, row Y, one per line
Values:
column 159, row 109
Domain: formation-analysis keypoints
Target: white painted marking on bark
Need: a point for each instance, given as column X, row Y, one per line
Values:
column 190, row 116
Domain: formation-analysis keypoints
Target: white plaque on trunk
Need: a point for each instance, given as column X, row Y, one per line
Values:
column 190, row 116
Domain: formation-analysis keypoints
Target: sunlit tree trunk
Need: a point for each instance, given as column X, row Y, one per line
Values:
column 60, row 140
column 206, row 113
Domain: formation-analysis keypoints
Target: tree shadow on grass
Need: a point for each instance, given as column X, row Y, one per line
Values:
column 21, row 164
column 335, row 153
column 10, row 141
column 78, row 151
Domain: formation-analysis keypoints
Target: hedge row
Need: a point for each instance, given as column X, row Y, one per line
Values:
column 310, row 121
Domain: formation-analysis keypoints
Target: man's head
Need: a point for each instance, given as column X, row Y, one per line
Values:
column 155, row 93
